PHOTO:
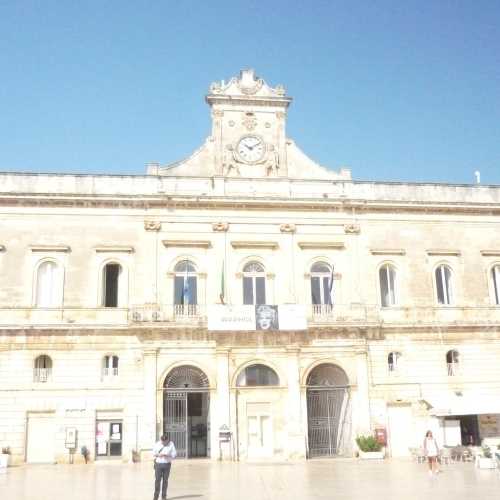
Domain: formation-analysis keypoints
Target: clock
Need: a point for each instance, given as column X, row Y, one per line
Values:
column 251, row 149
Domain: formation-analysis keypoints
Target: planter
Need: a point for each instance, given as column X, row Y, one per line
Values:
column 486, row 463
column 371, row 455
column 4, row 460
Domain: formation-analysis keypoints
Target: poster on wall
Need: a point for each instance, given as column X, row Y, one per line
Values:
column 488, row 425
column 257, row 317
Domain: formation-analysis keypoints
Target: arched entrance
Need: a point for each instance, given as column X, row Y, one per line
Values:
column 186, row 411
column 327, row 406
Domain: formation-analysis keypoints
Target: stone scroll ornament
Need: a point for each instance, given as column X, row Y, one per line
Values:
column 152, row 225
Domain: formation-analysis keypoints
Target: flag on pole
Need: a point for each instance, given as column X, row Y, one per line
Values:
column 222, row 285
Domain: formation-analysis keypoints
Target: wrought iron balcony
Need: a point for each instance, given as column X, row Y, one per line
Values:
column 42, row 374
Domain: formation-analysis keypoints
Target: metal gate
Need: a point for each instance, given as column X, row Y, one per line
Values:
column 326, row 410
column 180, row 382
column 176, row 420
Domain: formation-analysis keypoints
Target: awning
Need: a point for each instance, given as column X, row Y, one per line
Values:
column 463, row 405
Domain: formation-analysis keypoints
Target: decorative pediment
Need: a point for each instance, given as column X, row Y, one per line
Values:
column 246, row 84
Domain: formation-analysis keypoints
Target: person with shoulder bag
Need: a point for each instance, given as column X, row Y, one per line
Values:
column 163, row 453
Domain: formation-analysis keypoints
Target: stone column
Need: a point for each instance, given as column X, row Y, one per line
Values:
column 148, row 425
column 221, row 416
column 295, row 432
column 363, row 420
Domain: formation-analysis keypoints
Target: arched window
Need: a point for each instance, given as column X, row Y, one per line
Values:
column 453, row 362
column 254, row 284
column 443, row 285
column 111, row 283
column 186, row 377
column 257, row 375
column 321, row 284
column 393, row 361
column 387, row 280
column 327, row 375
column 42, row 369
column 185, row 284
column 495, row 278
column 48, row 285
column 110, row 366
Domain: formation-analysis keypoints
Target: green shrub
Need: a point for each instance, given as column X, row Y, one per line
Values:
column 486, row 452
column 368, row 443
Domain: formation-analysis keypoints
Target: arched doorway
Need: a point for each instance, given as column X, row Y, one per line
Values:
column 259, row 411
column 186, row 411
column 327, row 406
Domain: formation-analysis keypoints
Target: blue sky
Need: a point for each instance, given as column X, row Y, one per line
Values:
column 394, row 90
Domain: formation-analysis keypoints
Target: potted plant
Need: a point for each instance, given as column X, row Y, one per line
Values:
column 486, row 461
column 5, row 457
column 369, row 447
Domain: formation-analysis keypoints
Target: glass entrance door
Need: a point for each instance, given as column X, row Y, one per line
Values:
column 109, row 438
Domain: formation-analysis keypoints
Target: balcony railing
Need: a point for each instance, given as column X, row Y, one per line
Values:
column 42, row 374
column 430, row 317
column 110, row 372
column 453, row 369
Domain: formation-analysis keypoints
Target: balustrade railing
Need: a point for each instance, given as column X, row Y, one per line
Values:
column 317, row 314
column 42, row 374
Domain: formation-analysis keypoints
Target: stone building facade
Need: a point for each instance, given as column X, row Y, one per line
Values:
column 124, row 301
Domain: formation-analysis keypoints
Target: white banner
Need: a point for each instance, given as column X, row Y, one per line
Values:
column 260, row 317
column 292, row 317
column 225, row 318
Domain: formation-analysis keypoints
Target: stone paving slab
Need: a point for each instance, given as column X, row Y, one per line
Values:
column 205, row 480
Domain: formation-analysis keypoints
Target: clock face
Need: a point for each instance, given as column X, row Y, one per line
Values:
column 251, row 149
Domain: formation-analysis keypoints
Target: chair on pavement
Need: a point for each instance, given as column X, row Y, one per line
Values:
column 445, row 456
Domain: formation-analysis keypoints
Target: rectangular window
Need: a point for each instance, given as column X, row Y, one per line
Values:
column 260, row 290
column 327, row 298
column 315, row 290
column 387, row 287
column 496, row 284
column 247, row 291
column 111, row 276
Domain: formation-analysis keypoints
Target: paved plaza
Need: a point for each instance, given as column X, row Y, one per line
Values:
column 315, row 479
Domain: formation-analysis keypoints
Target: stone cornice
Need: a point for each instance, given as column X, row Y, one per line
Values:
column 387, row 251
column 438, row 252
column 490, row 253
column 50, row 248
column 187, row 243
column 194, row 202
column 114, row 249
column 272, row 245
column 321, row 245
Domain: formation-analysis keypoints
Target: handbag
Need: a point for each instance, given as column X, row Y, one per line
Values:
column 154, row 459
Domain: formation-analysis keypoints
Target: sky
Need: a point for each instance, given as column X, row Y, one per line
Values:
column 394, row 90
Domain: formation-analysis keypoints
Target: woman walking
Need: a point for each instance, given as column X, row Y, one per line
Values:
column 431, row 450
